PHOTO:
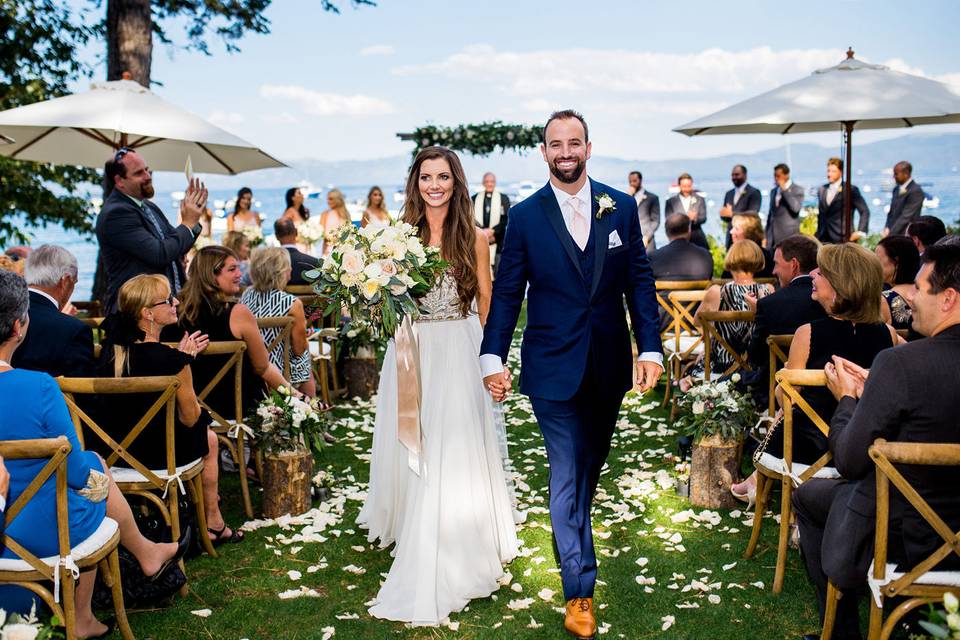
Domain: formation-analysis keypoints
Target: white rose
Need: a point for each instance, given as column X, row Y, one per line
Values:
column 388, row 267
column 605, row 202
column 415, row 247
column 349, row 279
column 735, row 377
column 378, row 246
column 370, row 289
column 698, row 408
column 953, row 621
column 373, row 270
column 950, row 602
column 19, row 632
column 353, row 262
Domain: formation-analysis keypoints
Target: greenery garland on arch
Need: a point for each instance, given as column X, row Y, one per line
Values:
column 477, row 139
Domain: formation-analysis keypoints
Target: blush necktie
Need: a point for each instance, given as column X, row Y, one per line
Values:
column 581, row 224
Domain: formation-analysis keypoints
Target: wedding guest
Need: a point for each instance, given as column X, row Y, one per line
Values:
column 830, row 207
column 907, row 395
column 680, row 259
column 270, row 272
column 208, row 304
column 9, row 264
column 58, row 343
column 237, row 242
column 286, row 235
column 743, row 259
column 847, row 284
column 295, row 210
column 900, row 261
column 375, row 212
column 132, row 348
column 333, row 218
column 747, row 226
column 134, row 234
column 743, row 198
column 648, row 208
column 491, row 208
column 33, row 407
column 906, row 202
column 786, row 201
column 926, row 231
column 693, row 206
column 243, row 215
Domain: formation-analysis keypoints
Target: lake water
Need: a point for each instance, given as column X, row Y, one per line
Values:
column 270, row 202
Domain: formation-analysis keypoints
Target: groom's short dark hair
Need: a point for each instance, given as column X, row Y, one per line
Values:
column 564, row 115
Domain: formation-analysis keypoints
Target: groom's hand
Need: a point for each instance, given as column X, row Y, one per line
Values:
column 647, row 375
column 499, row 384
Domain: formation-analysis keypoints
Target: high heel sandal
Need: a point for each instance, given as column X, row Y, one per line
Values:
column 750, row 497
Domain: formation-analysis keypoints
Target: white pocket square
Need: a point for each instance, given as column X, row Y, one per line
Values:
column 614, row 240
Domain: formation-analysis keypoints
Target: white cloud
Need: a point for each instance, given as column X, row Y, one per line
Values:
column 377, row 50
column 317, row 103
column 281, row 118
column 225, row 119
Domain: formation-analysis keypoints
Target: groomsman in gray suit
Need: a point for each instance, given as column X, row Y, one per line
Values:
column 691, row 205
column 907, row 200
column 743, row 198
column 648, row 208
column 786, row 201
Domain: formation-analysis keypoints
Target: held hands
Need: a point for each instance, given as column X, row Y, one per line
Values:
column 499, row 384
column 647, row 375
column 193, row 203
column 489, row 234
column 193, row 343
column 845, row 378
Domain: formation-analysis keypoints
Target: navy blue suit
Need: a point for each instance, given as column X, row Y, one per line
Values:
column 576, row 358
column 55, row 343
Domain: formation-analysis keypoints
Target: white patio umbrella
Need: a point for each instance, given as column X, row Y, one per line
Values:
column 82, row 129
column 851, row 95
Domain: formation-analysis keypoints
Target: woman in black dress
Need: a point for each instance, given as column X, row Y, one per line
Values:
column 900, row 260
column 847, row 283
column 132, row 348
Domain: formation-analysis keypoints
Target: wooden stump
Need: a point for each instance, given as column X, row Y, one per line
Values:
column 286, row 483
column 361, row 376
column 713, row 468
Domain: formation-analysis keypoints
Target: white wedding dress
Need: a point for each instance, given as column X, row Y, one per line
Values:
column 453, row 524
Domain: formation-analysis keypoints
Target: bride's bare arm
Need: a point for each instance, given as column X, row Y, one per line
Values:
column 484, row 276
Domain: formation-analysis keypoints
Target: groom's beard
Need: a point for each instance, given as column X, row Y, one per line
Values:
column 570, row 176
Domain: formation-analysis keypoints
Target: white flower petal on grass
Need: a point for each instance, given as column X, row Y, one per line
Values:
column 350, row 568
column 533, row 624
column 517, row 605
column 546, row 594
column 713, row 598
column 667, row 622
column 328, row 632
column 202, row 613
column 348, row 616
column 758, row 584
column 358, row 548
column 294, row 575
column 516, row 586
column 302, row 592
column 642, row 562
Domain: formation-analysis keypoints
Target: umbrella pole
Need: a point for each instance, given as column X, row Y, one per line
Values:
column 848, row 190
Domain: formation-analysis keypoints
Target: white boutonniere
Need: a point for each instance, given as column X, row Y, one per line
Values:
column 903, row 190
column 605, row 204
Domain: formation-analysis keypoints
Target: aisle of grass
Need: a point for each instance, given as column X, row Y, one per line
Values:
column 656, row 560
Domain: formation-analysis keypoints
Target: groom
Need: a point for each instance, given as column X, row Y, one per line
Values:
column 575, row 247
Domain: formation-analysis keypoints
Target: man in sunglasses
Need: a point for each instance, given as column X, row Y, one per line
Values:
column 135, row 236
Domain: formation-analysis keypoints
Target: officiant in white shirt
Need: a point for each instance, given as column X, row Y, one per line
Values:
column 490, row 210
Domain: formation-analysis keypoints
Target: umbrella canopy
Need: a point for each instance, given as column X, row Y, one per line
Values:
column 82, row 129
column 871, row 96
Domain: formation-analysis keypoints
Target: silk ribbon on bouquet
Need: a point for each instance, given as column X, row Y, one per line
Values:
column 408, row 393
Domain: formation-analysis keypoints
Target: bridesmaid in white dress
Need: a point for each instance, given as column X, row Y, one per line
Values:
column 453, row 523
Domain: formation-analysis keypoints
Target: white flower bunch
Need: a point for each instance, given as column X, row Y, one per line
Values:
column 311, row 231
column 716, row 408
column 254, row 235
column 286, row 422
column 17, row 627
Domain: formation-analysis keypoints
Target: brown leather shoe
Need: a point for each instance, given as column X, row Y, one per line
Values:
column 580, row 621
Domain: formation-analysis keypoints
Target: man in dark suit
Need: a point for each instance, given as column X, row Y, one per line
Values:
column 56, row 343
column 491, row 210
column 785, row 310
column 286, row 234
column 830, row 206
column 925, row 231
column 743, row 198
column 691, row 205
column 648, row 210
column 135, row 237
column 786, row 201
column 680, row 259
column 908, row 395
column 907, row 200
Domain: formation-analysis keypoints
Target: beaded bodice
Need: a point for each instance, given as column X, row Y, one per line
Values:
column 441, row 302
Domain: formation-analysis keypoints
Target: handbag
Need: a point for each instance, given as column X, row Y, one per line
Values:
column 762, row 447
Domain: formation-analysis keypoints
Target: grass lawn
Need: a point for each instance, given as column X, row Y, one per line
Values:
column 654, row 563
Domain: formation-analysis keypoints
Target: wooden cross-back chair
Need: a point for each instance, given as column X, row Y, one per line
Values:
column 134, row 478
column 90, row 308
column 94, row 324
column 771, row 469
column 770, row 281
column 779, row 349
column 99, row 549
column 708, row 322
column 284, row 338
column 306, row 294
column 663, row 290
column 683, row 341
column 922, row 584
column 323, row 354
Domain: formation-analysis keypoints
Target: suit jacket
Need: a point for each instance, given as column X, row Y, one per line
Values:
column 300, row 262
column 783, row 220
column 910, row 396
column 55, row 343
column 830, row 216
column 568, row 317
column 749, row 202
column 681, row 260
column 130, row 244
column 501, row 227
column 674, row 205
column 648, row 211
column 904, row 208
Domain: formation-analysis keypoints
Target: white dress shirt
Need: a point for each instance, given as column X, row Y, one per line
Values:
column 686, row 201
column 832, row 190
column 738, row 192
column 780, row 191
column 490, row 363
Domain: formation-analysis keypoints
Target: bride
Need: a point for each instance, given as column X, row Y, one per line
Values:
column 453, row 524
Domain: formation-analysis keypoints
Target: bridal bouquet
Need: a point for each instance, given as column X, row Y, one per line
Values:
column 254, row 235
column 284, row 422
column 377, row 273
column 311, row 231
column 715, row 409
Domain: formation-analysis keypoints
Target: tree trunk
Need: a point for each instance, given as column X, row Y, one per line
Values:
column 286, row 483
column 361, row 376
column 713, row 469
column 129, row 40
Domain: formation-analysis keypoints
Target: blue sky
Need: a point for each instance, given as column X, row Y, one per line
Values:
column 340, row 86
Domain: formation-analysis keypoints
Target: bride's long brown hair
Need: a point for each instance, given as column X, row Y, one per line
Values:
column 458, row 241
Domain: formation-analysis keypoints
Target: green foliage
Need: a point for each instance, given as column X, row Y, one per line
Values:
column 283, row 422
column 808, row 221
column 715, row 409
column 478, row 139
column 719, row 254
column 871, row 241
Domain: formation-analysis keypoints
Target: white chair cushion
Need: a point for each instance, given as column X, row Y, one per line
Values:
column 94, row 542
column 686, row 342
column 937, row 578
column 125, row 474
column 772, row 463
column 318, row 348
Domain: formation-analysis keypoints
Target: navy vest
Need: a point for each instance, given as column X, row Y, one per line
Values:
column 587, row 257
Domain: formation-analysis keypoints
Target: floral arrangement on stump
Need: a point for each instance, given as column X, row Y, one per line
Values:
column 943, row 623
column 18, row 627
column 717, row 416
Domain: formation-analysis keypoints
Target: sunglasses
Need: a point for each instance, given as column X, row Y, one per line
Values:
column 168, row 301
column 122, row 151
